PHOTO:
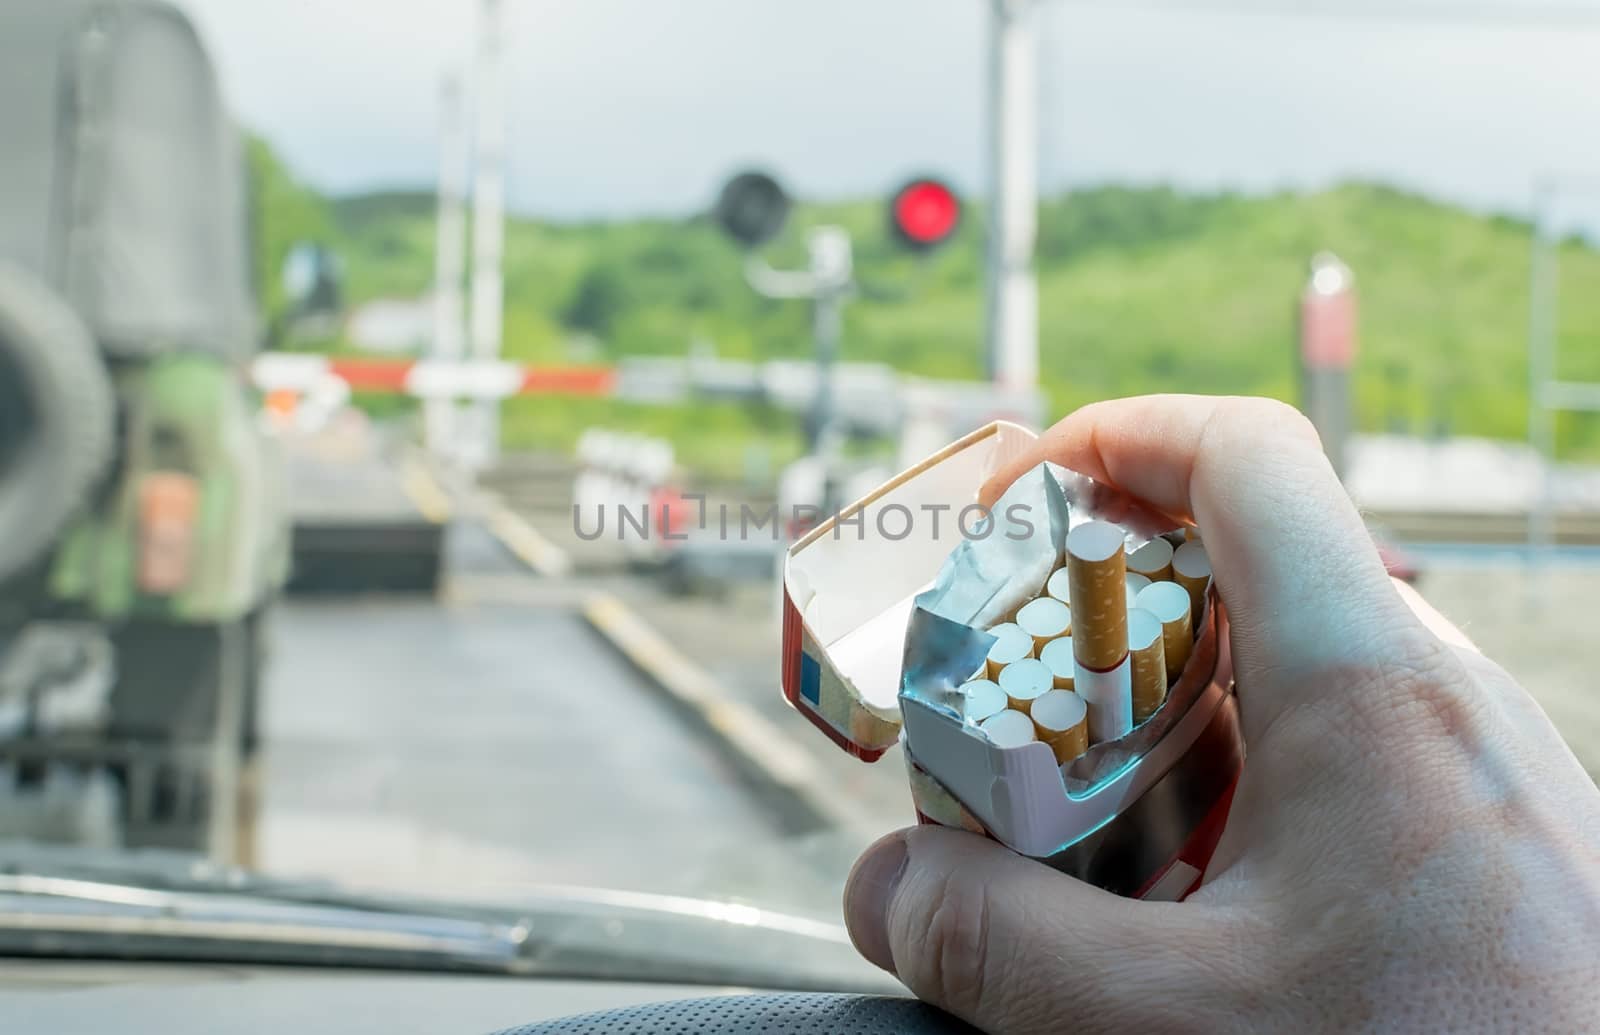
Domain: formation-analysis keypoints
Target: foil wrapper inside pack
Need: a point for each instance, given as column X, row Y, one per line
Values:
column 988, row 576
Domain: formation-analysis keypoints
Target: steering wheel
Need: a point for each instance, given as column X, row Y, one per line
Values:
column 773, row 1014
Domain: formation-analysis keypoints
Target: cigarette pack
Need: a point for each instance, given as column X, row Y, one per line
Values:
column 886, row 612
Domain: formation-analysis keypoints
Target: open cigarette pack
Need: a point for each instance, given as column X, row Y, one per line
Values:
column 1056, row 667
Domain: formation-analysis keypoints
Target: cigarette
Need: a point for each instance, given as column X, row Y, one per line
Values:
column 983, row 699
column 1044, row 619
column 1191, row 569
column 1153, row 560
column 1024, row 681
column 1057, row 656
column 1101, row 674
column 1146, row 650
column 1169, row 603
column 1060, row 585
column 1061, row 719
column 1191, row 534
column 1109, row 696
column 1008, row 729
column 1011, row 644
column 1135, row 583
column 1100, row 595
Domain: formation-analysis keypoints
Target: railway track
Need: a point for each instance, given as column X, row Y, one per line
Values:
column 1488, row 529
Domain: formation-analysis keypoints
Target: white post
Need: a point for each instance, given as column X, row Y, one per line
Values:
column 1542, row 315
column 488, row 231
column 450, row 259
column 833, row 277
column 1013, row 290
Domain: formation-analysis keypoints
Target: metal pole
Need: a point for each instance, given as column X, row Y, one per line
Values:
column 827, row 323
column 450, row 259
column 1013, row 290
column 488, row 230
column 1541, row 365
column 832, row 275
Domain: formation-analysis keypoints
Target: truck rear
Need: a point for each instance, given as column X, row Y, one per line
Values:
column 142, row 527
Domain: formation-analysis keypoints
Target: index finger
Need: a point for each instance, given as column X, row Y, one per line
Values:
column 1306, row 592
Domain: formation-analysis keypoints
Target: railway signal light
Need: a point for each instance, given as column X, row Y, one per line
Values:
column 924, row 214
column 752, row 209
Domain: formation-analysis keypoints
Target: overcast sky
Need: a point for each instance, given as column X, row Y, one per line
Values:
column 627, row 106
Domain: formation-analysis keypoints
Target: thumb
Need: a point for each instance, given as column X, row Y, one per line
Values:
column 1010, row 945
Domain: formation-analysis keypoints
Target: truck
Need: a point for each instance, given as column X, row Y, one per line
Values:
column 143, row 530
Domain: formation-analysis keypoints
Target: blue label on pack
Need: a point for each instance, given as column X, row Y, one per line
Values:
column 810, row 679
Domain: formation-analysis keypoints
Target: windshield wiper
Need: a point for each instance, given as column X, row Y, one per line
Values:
column 56, row 916
column 155, row 908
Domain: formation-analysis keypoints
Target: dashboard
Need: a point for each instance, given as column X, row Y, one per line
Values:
column 71, row 997
column 67, row 998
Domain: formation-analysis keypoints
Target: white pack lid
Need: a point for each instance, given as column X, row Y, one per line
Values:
column 848, row 587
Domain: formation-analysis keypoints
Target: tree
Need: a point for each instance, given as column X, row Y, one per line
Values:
column 599, row 301
column 284, row 215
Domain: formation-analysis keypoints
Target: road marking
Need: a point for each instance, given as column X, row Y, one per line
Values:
column 523, row 539
column 424, row 490
column 518, row 536
column 758, row 742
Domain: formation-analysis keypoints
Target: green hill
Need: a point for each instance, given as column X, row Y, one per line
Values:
column 1141, row 289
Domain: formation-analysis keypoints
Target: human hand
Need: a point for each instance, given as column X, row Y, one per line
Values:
column 1411, row 844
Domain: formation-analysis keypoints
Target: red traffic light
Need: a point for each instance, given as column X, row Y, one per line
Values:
column 924, row 214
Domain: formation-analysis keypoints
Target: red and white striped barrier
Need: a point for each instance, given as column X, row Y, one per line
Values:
column 427, row 378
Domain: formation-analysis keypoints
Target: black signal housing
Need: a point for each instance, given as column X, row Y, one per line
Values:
column 752, row 209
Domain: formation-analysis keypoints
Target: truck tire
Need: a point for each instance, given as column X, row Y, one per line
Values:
column 57, row 418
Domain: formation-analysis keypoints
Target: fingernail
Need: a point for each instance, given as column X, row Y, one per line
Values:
column 867, row 896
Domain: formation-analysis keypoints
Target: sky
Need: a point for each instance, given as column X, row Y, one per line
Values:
column 623, row 107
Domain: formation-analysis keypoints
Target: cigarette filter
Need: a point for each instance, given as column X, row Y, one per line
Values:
column 1109, row 696
column 1135, row 582
column 1099, row 591
column 983, row 698
column 1148, row 663
column 1025, row 680
column 1153, row 560
column 1044, row 619
column 1169, row 603
column 1191, row 534
column 1191, row 569
column 1060, row 585
column 1011, row 644
column 1009, row 729
column 1061, row 719
column 1057, row 656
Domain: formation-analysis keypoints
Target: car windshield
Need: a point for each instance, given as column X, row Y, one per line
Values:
column 407, row 411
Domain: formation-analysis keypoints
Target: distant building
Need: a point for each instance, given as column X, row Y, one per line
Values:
column 392, row 325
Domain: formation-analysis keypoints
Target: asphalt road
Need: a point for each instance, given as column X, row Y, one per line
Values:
column 491, row 739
